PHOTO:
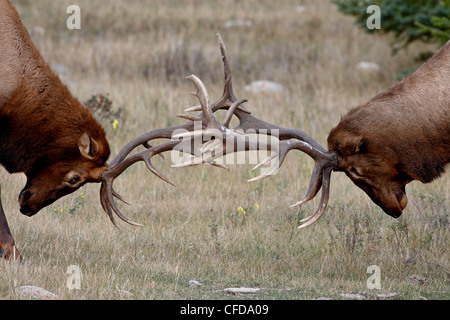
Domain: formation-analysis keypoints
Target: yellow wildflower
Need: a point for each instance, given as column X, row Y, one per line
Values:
column 242, row 210
column 115, row 124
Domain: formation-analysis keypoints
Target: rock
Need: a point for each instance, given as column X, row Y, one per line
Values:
column 300, row 9
column 242, row 290
column 194, row 284
column 322, row 298
column 36, row 293
column 238, row 23
column 386, row 296
column 368, row 68
column 376, row 296
column 265, row 87
column 417, row 279
column 353, row 296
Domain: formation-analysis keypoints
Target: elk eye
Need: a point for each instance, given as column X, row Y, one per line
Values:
column 74, row 179
column 354, row 171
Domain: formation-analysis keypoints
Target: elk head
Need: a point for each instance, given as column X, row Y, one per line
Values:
column 48, row 181
column 371, row 168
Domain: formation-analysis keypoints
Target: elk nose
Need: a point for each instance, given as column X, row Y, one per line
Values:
column 27, row 211
column 24, row 196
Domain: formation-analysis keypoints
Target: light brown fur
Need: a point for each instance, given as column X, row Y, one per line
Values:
column 400, row 135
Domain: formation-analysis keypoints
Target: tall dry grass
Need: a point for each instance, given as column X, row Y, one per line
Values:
column 140, row 52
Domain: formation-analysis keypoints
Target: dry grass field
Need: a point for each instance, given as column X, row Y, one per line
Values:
column 139, row 53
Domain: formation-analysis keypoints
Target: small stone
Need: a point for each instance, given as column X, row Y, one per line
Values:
column 417, row 279
column 242, row 290
column 238, row 23
column 353, row 296
column 386, row 296
column 265, row 87
column 194, row 284
column 35, row 293
column 300, row 9
column 368, row 68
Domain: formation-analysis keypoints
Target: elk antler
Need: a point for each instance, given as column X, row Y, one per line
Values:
column 122, row 161
column 289, row 139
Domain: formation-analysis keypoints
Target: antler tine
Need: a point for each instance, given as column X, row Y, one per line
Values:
column 231, row 111
column 228, row 97
column 323, row 200
column 112, row 205
column 107, row 193
column 320, row 177
column 105, row 204
column 314, row 185
column 226, row 69
column 207, row 116
column 202, row 95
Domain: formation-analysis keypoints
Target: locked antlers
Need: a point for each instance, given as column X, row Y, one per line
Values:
column 228, row 140
column 217, row 139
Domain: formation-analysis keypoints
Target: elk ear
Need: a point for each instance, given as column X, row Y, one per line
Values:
column 359, row 145
column 88, row 146
column 353, row 144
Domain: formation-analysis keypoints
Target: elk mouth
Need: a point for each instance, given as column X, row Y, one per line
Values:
column 402, row 200
column 392, row 200
column 28, row 209
column 398, row 203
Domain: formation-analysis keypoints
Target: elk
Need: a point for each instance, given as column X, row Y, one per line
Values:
column 44, row 131
column 48, row 135
column 400, row 135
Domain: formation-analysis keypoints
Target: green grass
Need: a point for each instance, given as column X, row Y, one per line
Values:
column 140, row 53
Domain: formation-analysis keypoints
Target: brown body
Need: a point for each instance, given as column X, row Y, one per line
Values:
column 44, row 131
column 400, row 135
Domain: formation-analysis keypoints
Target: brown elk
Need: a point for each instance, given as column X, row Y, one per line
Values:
column 400, row 135
column 50, row 136
column 44, row 131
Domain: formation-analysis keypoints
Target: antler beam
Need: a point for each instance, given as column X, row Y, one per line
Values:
column 289, row 139
column 226, row 141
